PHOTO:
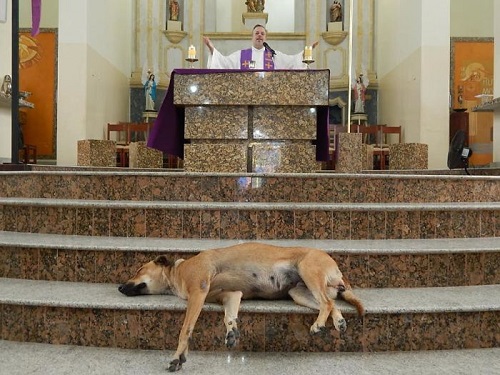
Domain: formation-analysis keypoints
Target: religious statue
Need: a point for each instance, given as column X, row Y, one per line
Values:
column 336, row 12
column 173, row 7
column 359, row 90
column 255, row 6
column 251, row 6
column 150, row 92
column 260, row 6
column 6, row 90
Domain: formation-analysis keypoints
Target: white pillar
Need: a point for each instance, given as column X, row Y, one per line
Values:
column 413, row 66
column 435, row 81
column 6, row 68
column 496, row 88
column 150, row 23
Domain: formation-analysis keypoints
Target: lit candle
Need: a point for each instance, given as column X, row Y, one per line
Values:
column 308, row 53
column 191, row 52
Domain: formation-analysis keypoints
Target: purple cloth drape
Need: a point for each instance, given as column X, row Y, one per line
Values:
column 36, row 11
column 167, row 134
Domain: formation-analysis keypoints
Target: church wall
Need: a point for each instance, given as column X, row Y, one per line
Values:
column 95, row 70
column 49, row 17
column 472, row 19
column 496, row 87
column 398, row 64
column 5, row 68
column 435, row 94
column 413, row 70
column 48, row 20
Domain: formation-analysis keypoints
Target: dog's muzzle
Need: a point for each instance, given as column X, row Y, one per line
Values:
column 131, row 289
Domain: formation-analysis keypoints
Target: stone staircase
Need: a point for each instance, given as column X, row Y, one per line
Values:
column 422, row 251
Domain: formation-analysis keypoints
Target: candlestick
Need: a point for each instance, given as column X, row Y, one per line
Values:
column 192, row 52
column 308, row 53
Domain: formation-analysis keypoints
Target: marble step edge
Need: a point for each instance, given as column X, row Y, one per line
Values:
column 99, row 172
column 41, row 170
column 377, row 301
column 149, row 244
column 284, row 206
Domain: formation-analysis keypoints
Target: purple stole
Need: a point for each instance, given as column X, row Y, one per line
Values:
column 246, row 58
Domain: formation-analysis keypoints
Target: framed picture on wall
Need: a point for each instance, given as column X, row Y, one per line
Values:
column 38, row 76
column 471, row 71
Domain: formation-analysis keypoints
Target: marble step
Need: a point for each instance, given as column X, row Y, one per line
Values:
column 114, row 184
column 250, row 220
column 367, row 263
column 396, row 319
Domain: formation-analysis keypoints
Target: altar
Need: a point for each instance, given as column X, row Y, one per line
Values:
column 245, row 121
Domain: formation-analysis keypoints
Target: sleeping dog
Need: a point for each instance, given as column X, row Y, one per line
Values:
column 246, row 271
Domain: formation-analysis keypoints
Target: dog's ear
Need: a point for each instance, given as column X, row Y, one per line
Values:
column 163, row 261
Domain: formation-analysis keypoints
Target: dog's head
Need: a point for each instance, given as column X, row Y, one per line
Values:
column 151, row 278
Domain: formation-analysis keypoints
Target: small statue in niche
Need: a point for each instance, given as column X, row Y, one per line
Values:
column 359, row 90
column 173, row 7
column 260, row 6
column 150, row 91
column 251, row 6
column 6, row 90
column 336, row 12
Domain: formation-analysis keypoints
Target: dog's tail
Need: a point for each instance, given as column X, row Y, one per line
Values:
column 351, row 298
column 348, row 296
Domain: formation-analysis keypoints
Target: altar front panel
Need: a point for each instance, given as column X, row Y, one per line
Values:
column 261, row 122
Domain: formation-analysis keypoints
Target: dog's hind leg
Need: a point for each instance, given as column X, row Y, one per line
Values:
column 314, row 275
column 303, row 296
column 231, row 301
column 194, row 305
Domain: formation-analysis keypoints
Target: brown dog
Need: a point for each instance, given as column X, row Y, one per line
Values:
column 246, row 271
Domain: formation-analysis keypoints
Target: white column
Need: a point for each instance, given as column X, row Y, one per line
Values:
column 413, row 66
column 6, row 68
column 435, row 81
column 150, row 22
column 496, row 88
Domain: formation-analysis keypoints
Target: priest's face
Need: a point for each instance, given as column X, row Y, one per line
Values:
column 259, row 37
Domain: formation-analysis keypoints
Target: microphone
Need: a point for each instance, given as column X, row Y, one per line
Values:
column 273, row 52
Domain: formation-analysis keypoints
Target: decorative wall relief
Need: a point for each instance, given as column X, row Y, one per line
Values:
column 471, row 71
column 37, row 75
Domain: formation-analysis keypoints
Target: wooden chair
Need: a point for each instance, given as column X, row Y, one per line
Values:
column 137, row 131
column 335, row 129
column 386, row 141
column 118, row 132
column 123, row 133
column 27, row 154
column 371, row 136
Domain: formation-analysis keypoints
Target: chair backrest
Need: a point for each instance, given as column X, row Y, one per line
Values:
column 354, row 128
column 371, row 133
column 388, row 130
column 137, row 131
column 337, row 129
column 120, row 131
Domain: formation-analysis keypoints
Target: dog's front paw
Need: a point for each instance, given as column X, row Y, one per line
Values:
column 176, row 364
column 340, row 325
column 232, row 338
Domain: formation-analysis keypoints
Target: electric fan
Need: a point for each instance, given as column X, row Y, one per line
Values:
column 458, row 153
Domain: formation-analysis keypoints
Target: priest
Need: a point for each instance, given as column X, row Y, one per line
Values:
column 261, row 56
